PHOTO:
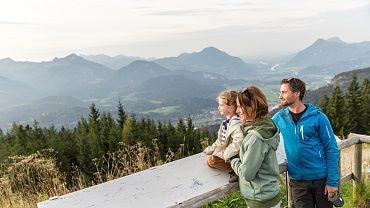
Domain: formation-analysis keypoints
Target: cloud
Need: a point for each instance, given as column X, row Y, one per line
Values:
column 14, row 23
column 238, row 4
column 183, row 12
column 207, row 11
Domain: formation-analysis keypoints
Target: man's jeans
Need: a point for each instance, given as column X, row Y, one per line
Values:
column 309, row 193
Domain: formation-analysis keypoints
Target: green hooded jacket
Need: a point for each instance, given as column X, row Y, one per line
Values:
column 257, row 167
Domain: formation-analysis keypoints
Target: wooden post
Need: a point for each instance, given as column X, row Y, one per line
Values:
column 289, row 191
column 357, row 169
column 340, row 169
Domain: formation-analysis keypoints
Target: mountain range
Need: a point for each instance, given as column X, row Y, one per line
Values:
column 331, row 57
column 60, row 91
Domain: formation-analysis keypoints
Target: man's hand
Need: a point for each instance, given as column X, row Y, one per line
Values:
column 330, row 191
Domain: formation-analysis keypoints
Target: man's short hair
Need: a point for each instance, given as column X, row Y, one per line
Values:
column 295, row 85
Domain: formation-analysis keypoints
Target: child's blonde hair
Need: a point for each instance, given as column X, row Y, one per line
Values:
column 230, row 97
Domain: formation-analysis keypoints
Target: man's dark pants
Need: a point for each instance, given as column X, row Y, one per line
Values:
column 309, row 193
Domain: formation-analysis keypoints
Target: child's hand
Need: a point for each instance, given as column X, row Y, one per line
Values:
column 208, row 150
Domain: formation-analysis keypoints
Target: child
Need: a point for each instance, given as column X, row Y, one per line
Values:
column 229, row 137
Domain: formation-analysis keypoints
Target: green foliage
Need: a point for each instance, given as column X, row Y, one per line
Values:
column 362, row 194
column 349, row 113
column 234, row 200
column 122, row 116
column 237, row 200
column 84, row 146
column 365, row 101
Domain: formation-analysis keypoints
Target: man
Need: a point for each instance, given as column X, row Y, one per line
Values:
column 310, row 145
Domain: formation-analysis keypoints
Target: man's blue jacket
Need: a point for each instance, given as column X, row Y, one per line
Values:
column 310, row 145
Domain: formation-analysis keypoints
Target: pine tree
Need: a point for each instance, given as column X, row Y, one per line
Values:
column 122, row 116
column 365, row 104
column 354, row 110
column 94, row 114
column 127, row 132
column 324, row 105
column 83, row 144
column 18, row 134
column 336, row 111
column 162, row 138
column 193, row 142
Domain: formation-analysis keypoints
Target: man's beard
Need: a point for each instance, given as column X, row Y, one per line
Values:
column 286, row 103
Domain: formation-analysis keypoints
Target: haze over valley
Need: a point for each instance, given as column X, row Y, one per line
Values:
column 60, row 91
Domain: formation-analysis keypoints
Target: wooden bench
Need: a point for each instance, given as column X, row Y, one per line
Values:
column 187, row 182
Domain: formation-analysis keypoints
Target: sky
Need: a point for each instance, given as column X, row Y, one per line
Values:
column 40, row 30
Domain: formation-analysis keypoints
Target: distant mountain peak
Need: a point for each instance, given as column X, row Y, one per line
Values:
column 335, row 39
column 73, row 56
column 7, row 60
column 143, row 63
column 329, row 40
column 212, row 50
column 70, row 58
column 331, row 51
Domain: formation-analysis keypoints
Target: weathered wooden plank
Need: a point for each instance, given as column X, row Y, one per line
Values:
column 362, row 138
column 348, row 142
column 346, row 178
column 162, row 186
column 187, row 182
column 353, row 139
column 209, row 196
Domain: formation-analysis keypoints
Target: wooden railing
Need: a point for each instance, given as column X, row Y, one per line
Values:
column 187, row 182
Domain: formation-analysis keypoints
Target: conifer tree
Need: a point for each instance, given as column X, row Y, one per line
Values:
column 127, row 136
column 336, row 111
column 94, row 114
column 94, row 132
column 354, row 109
column 324, row 104
column 365, row 104
column 18, row 134
column 162, row 138
column 83, row 144
column 172, row 140
column 109, row 133
column 122, row 116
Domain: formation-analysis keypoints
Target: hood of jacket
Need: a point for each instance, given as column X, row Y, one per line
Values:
column 265, row 129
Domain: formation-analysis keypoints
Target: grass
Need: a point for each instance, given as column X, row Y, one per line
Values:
column 237, row 200
column 26, row 180
column 362, row 201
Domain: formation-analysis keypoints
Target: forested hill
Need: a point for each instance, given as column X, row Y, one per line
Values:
column 343, row 80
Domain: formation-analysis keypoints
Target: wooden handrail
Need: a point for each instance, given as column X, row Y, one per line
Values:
column 188, row 182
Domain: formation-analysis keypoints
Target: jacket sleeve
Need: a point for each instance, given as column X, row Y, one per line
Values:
column 248, row 166
column 210, row 149
column 332, row 153
column 233, row 148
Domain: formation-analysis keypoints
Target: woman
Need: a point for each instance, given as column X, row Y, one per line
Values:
column 257, row 166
